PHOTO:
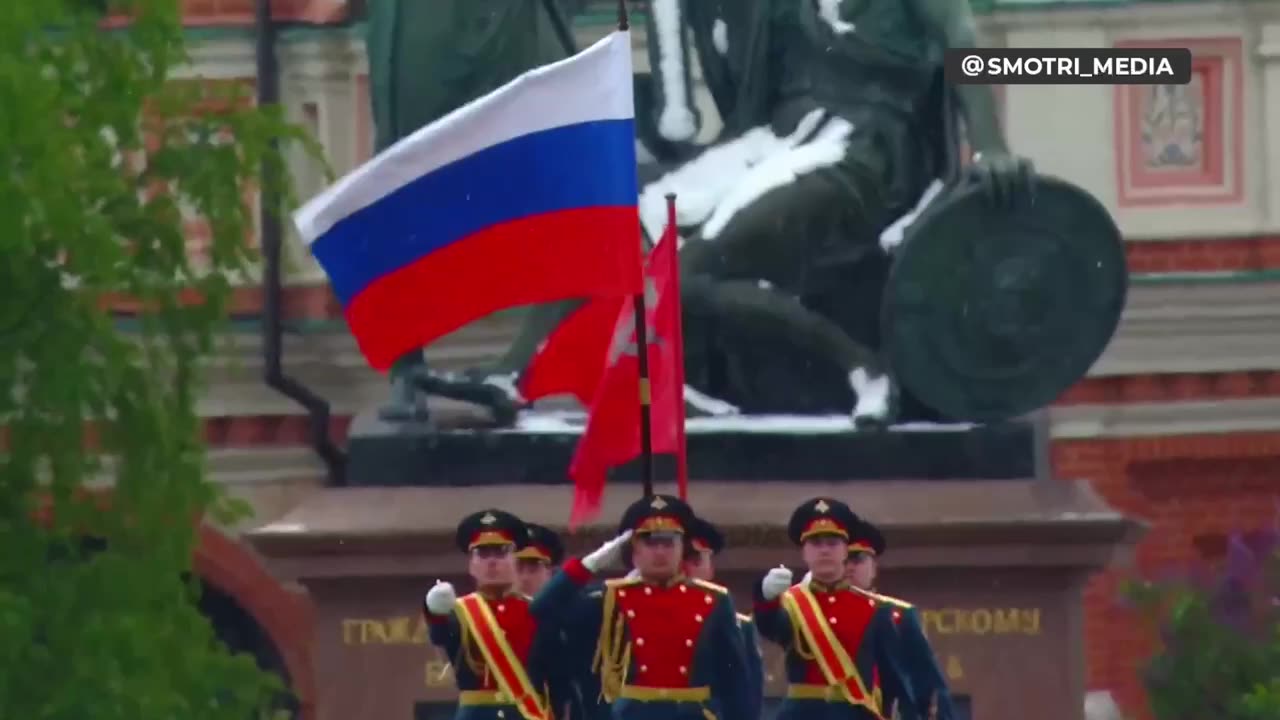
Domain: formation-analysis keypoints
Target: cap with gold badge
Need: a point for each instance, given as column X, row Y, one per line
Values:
column 490, row 528
column 704, row 537
column 819, row 517
column 657, row 515
column 867, row 538
column 544, row 545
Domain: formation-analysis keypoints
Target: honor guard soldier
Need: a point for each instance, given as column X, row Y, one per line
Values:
column 840, row 644
column 668, row 647
column 705, row 543
column 538, row 559
column 490, row 636
column 866, row 547
column 535, row 564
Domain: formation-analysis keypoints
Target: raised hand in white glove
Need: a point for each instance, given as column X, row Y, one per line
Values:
column 441, row 598
column 775, row 582
column 607, row 555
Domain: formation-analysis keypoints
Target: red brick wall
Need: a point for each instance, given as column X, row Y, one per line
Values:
column 1173, row 387
column 1205, row 255
column 1194, row 491
column 240, row 12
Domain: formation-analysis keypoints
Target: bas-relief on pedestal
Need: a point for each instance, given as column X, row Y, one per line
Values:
column 997, row 566
column 968, row 315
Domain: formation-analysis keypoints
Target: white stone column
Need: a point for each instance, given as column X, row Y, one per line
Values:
column 318, row 91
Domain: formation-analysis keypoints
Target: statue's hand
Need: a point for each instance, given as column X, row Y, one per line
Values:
column 1007, row 180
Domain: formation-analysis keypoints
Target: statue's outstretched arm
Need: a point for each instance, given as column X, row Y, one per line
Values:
column 1007, row 180
column 952, row 23
column 668, row 43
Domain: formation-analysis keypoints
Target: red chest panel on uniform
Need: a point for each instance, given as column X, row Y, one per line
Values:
column 664, row 624
column 849, row 615
column 518, row 626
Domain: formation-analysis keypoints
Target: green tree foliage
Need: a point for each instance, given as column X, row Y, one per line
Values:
column 101, row 159
column 1219, row 654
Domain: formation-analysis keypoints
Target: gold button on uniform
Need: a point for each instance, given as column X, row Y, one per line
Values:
column 833, row 621
column 688, row 643
column 640, row 641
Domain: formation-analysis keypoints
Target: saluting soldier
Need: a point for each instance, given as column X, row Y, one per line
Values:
column 705, row 543
column 866, row 547
column 842, row 654
column 491, row 637
column 668, row 646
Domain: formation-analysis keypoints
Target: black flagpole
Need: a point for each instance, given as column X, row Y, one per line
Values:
column 646, row 434
column 624, row 23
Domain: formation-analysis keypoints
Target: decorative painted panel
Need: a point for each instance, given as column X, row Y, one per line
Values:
column 1183, row 144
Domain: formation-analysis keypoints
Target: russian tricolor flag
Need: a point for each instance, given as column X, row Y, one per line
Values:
column 526, row 195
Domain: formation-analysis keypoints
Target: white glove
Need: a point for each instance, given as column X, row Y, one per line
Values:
column 607, row 555
column 808, row 578
column 441, row 598
column 775, row 582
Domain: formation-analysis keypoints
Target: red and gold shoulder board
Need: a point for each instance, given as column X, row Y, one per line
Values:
column 711, row 586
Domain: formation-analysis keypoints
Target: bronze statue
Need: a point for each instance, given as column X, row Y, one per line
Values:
column 836, row 130
column 837, row 125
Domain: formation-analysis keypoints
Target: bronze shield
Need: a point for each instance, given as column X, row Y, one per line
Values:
column 991, row 313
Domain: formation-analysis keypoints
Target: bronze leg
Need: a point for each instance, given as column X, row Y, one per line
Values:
column 404, row 403
column 751, row 274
